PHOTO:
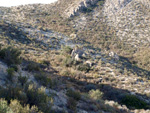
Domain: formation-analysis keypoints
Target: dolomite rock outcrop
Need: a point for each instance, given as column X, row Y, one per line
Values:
column 77, row 6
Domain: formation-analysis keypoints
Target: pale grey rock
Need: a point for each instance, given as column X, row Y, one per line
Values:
column 114, row 55
column 89, row 63
column 77, row 53
column 77, row 6
column 77, row 57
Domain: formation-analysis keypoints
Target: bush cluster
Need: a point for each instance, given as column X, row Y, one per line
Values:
column 10, row 55
column 95, row 94
column 74, row 94
column 132, row 101
column 29, row 94
column 33, row 67
column 16, row 107
column 43, row 79
column 11, row 73
column 66, row 50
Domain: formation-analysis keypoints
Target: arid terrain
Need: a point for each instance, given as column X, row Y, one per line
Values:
column 75, row 56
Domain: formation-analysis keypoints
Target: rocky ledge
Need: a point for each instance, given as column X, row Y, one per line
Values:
column 79, row 5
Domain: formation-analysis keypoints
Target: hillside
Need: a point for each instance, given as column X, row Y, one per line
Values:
column 84, row 56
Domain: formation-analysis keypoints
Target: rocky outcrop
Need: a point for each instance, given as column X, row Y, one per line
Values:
column 77, row 53
column 114, row 55
column 77, row 6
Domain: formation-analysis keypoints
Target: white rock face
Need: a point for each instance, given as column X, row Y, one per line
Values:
column 78, row 5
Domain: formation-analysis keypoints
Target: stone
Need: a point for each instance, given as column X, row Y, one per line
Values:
column 89, row 63
column 77, row 57
column 114, row 55
column 77, row 53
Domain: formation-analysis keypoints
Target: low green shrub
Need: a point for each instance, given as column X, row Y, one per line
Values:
column 14, row 66
column 11, row 55
column 43, row 79
column 66, row 50
column 22, row 79
column 37, row 96
column 134, row 102
column 11, row 73
column 29, row 94
column 16, row 107
column 74, row 94
column 12, row 92
column 95, row 94
column 46, row 62
column 68, row 62
column 71, row 103
column 4, row 108
column 83, row 67
column 101, row 2
column 33, row 67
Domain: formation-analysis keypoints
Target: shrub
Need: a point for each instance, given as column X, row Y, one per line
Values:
column 33, row 67
column 133, row 101
column 43, row 79
column 71, row 103
column 11, row 73
column 90, row 87
column 65, row 72
column 18, row 108
column 14, row 66
column 11, row 92
column 4, row 108
column 11, row 55
column 83, row 67
column 67, row 50
column 30, row 94
column 95, row 94
column 74, row 94
column 101, row 2
column 37, row 96
column 22, row 79
column 68, row 62
column 45, row 62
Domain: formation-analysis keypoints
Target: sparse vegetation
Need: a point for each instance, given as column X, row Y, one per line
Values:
column 83, row 67
column 11, row 73
column 95, row 94
column 44, row 79
column 133, row 102
column 49, row 79
column 74, row 94
column 33, row 67
column 22, row 79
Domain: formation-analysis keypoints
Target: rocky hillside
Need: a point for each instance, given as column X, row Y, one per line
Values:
column 131, row 19
column 84, row 56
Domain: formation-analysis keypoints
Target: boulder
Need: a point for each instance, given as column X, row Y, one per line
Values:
column 89, row 63
column 77, row 57
column 114, row 55
column 77, row 53
column 73, row 35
